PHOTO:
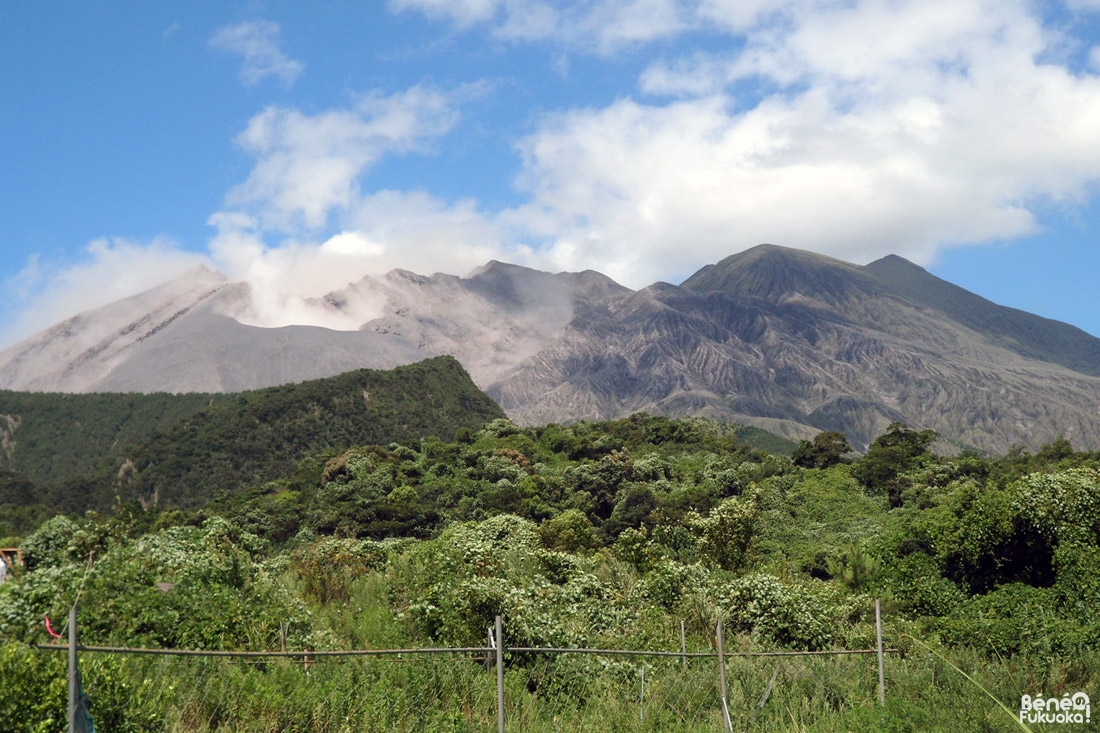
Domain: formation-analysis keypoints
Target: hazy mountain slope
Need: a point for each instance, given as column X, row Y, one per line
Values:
column 1016, row 330
column 490, row 321
column 187, row 335
column 211, row 352
column 75, row 355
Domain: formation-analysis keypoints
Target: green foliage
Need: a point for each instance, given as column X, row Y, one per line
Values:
column 763, row 606
column 192, row 587
column 329, row 567
column 725, row 534
column 58, row 436
column 1014, row 619
column 570, row 531
column 51, row 544
column 855, row 567
column 186, row 455
column 897, row 450
column 827, row 449
column 596, row 534
column 1061, row 507
column 35, row 690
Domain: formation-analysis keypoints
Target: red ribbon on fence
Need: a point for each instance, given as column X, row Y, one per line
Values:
column 50, row 629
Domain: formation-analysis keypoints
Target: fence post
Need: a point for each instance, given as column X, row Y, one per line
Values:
column 500, row 674
column 722, row 681
column 74, row 671
column 878, row 641
column 683, row 644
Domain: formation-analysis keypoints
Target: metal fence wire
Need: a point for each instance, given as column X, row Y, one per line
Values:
column 471, row 688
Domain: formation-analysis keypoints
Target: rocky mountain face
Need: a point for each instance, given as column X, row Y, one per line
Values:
column 786, row 340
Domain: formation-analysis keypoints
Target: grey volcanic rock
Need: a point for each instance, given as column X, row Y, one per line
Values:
column 786, row 340
column 797, row 343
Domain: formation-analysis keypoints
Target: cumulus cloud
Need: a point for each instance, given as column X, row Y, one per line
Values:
column 378, row 232
column 308, row 165
column 301, row 225
column 257, row 43
column 853, row 129
column 427, row 234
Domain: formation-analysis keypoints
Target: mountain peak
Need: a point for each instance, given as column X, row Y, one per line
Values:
column 772, row 272
column 496, row 266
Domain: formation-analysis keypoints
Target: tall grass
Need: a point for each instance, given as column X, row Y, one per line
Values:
column 925, row 690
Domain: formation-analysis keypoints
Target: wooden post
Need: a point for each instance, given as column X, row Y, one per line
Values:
column 683, row 644
column 500, row 674
column 641, row 697
column 722, row 681
column 878, row 641
column 74, row 671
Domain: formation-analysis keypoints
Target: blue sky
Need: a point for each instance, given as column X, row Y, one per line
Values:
column 299, row 146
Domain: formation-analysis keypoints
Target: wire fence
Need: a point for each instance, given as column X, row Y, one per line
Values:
column 470, row 688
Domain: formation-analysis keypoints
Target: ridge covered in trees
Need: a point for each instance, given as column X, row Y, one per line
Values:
column 71, row 453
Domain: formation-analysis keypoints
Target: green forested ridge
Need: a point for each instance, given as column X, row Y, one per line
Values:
column 182, row 449
column 53, row 436
column 597, row 534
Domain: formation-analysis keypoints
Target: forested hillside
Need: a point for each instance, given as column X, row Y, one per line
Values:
column 51, row 436
column 604, row 535
column 182, row 449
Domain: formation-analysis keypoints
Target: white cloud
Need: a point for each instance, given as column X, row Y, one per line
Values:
column 426, row 234
column 461, row 12
column 381, row 231
column 258, row 45
column 300, row 227
column 603, row 26
column 308, row 165
column 872, row 127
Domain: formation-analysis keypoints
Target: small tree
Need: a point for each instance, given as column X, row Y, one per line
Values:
column 827, row 449
column 726, row 533
column 897, row 450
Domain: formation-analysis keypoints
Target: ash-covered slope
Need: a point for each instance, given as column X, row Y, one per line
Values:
column 789, row 341
column 192, row 334
column 77, row 354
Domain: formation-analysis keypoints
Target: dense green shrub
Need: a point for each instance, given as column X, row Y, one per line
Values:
column 761, row 605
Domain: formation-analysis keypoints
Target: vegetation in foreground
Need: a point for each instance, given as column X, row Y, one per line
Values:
column 598, row 535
